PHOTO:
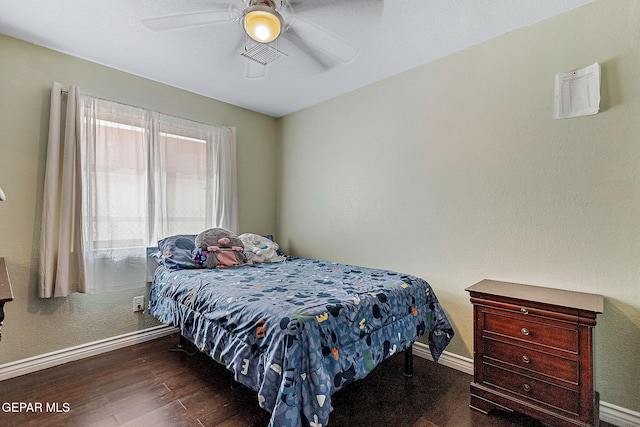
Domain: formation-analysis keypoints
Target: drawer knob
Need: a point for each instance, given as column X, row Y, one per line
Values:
column 527, row 387
column 524, row 310
column 526, row 359
column 524, row 331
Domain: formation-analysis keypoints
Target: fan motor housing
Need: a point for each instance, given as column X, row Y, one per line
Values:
column 268, row 3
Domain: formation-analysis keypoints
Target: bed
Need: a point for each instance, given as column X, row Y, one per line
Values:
column 298, row 330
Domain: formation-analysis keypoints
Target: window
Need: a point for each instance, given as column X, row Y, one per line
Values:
column 147, row 176
column 117, row 179
column 121, row 181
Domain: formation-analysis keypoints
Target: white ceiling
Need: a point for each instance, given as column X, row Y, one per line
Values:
column 391, row 36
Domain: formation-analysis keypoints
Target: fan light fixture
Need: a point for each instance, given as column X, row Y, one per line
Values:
column 262, row 22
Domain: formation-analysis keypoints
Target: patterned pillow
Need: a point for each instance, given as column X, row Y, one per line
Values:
column 279, row 251
column 177, row 251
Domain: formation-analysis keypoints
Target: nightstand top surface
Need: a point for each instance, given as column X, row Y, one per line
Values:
column 560, row 297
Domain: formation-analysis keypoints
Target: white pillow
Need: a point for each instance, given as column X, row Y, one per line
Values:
column 260, row 249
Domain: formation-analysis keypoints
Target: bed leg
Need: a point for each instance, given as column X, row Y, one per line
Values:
column 408, row 362
column 182, row 346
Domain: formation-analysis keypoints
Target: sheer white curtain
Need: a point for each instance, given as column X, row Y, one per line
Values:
column 141, row 176
column 193, row 179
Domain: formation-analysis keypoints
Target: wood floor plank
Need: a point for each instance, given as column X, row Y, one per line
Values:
column 170, row 415
column 110, row 421
column 148, row 385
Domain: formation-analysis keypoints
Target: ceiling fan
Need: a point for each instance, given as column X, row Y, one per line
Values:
column 264, row 22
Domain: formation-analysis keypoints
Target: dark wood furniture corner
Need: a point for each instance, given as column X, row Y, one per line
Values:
column 533, row 352
column 6, row 293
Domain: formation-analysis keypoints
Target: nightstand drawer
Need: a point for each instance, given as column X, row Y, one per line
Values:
column 554, row 367
column 550, row 334
column 532, row 389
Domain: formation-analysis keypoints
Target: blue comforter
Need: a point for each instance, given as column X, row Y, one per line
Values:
column 299, row 330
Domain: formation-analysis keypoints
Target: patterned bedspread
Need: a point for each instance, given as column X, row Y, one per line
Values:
column 299, row 330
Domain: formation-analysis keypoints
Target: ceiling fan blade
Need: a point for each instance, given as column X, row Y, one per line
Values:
column 323, row 60
column 365, row 6
column 185, row 20
column 254, row 70
column 319, row 38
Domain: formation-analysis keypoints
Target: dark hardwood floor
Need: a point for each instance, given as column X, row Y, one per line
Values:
column 148, row 385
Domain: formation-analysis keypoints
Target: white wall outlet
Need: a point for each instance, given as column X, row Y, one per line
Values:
column 138, row 303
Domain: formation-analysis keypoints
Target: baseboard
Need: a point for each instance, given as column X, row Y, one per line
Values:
column 609, row 413
column 48, row 360
column 618, row 416
column 459, row 363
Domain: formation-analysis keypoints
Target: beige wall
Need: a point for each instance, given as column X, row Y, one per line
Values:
column 34, row 326
column 457, row 161
column 455, row 171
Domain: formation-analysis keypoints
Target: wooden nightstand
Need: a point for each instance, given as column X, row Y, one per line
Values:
column 533, row 352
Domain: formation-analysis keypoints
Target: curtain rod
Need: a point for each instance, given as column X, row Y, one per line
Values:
column 133, row 106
